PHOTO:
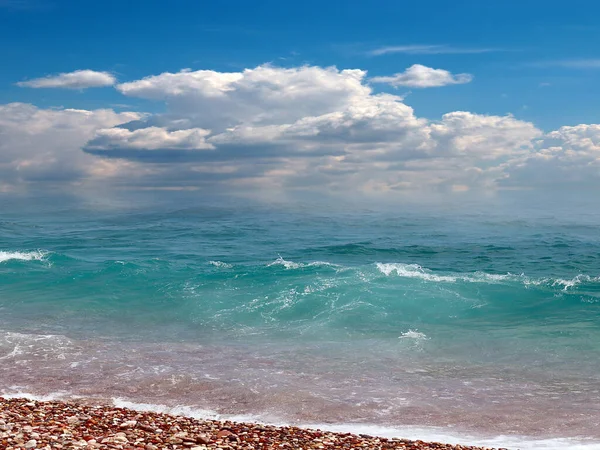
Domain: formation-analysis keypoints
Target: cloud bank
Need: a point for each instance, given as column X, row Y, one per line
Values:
column 80, row 79
column 271, row 130
column 41, row 148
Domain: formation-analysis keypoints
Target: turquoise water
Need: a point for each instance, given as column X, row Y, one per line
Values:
column 482, row 323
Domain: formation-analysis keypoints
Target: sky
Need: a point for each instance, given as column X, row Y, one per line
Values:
column 325, row 99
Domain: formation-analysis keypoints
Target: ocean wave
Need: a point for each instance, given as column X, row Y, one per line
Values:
column 414, row 334
column 220, row 264
column 36, row 255
column 424, row 433
column 416, row 271
column 20, row 347
column 574, row 281
column 427, row 433
column 294, row 265
column 412, row 271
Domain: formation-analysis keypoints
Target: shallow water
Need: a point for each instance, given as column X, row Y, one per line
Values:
column 483, row 324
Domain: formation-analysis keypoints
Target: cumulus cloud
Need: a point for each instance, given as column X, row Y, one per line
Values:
column 311, row 128
column 419, row 76
column 44, row 145
column 269, row 129
column 485, row 137
column 265, row 94
column 569, row 156
column 150, row 138
column 79, row 79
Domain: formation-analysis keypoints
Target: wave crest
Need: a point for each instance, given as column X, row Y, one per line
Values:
column 414, row 334
column 412, row 271
column 416, row 271
column 294, row 265
column 221, row 264
column 37, row 255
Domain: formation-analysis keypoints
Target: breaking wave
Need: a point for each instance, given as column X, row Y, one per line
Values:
column 416, row 271
column 36, row 255
column 294, row 265
column 221, row 264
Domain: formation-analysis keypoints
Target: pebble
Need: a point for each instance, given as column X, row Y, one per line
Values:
column 68, row 425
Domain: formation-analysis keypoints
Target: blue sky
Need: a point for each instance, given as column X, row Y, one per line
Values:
column 535, row 60
column 528, row 75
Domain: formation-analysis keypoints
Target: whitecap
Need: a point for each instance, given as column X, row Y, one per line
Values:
column 287, row 264
column 488, row 277
column 294, row 265
column 414, row 334
column 221, row 264
column 416, row 271
column 412, row 271
column 37, row 255
column 21, row 347
column 573, row 281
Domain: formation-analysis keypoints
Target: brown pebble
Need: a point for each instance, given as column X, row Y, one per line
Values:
column 57, row 425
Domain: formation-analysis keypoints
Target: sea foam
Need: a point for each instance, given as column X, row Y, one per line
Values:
column 416, row 271
column 430, row 434
column 221, row 264
column 294, row 265
column 36, row 255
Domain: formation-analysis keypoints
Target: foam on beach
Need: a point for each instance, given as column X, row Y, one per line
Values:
column 29, row 424
column 203, row 429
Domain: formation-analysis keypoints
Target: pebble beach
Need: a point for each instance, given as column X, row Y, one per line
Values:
column 29, row 424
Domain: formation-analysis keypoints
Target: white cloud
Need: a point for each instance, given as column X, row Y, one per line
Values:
column 312, row 128
column 486, row 137
column 44, row 145
column 375, row 118
column 419, row 76
column 428, row 50
column 150, row 138
column 277, row 130
column 582, row 139
column 262, row 95
column 569, row 156
column 79, row 79
column 355, row 140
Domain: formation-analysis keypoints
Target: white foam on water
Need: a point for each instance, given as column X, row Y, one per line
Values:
column 221, row 264
column 428, row 434
column 287, row 264
column 37, row 255
column 573, row 281
column 438, row 434
column 294, row 265
column 18, row 392
column 414, row 334
column 412, row 271
column 416, row 271
column 194, row 412
column 20, row 347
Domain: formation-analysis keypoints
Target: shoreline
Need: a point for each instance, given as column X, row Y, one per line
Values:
column 32, row 424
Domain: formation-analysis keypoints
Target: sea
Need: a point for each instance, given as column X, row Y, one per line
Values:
column 479, row 327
